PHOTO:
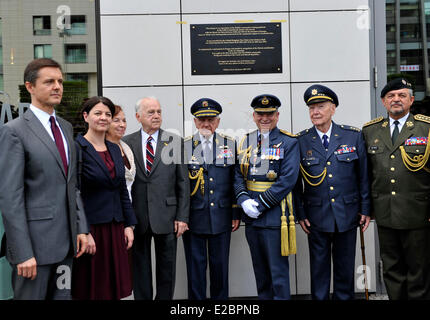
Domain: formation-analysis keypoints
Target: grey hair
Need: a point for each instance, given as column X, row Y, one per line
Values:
column 138, row 102
column 411, row 92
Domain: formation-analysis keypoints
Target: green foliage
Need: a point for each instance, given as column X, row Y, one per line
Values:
column 74, row 92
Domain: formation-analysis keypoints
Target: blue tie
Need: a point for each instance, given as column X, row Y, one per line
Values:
column 325, row 141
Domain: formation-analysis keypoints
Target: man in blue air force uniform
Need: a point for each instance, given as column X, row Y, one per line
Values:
column 214, row 214
column 335, row 200
column 267, row 172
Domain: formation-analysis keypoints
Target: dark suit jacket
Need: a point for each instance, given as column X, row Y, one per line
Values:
column 164, row 196
column 344, row 191
column 37, row 198
column 105, row 199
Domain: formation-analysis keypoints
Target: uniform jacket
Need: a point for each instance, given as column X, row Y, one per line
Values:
column 37, row 198
column 286, row 169
column 105, row 199
column 163, row 196
column 400, row 198
column 213, row 211
column 344, row 192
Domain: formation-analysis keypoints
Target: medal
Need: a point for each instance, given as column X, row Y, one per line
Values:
column 271, row 175
column 253, row 170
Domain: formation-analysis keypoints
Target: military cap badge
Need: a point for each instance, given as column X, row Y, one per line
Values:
column 265, row 101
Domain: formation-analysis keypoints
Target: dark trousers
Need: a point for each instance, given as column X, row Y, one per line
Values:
column 339, row 247
column 165, row 256
column 406, row 262
column 198, row 249
column 53, row 282
column 270, row 268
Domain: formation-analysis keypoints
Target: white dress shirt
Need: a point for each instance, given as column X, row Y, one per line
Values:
column 400, row 125
column 44, row 119
column 328, row 133
column 154, row 140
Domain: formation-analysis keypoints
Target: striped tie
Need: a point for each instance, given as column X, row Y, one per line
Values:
column 149, row 155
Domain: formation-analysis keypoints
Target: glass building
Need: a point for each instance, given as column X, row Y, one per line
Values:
column 408, row 32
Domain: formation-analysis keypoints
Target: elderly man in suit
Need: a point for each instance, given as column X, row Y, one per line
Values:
column 38, row 199
column 335, row 199
column 398, row 150
column 213, row 215
column 161, row 200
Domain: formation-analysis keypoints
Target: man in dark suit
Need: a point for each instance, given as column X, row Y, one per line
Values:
column 335, row 199
column 398, row 149
column 43, row 227
column 269, row 166
column 214, row 214
column 161, row 201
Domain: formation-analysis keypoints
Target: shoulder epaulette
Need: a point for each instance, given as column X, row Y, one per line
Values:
column 350, row 128
column 421, row 117
column 302, row 133
column 376, row 120
column 226, row 136
column 292, row 135
column 188, row 138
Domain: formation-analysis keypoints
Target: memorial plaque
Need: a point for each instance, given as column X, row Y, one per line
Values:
column 237, row 48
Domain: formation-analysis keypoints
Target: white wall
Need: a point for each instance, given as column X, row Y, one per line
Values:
column 146, row 51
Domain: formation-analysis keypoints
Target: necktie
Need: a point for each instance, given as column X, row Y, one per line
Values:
column 207, row 152
column 59, row 142
column 149, row 155
column 325, row 141
column 395, row 131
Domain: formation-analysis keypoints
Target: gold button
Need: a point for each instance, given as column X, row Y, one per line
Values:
column 393, row 169
column 211, row 179
column 331, row 188
column 328, row 163
column 212, row 204
column 393, row 193
column 332, row 200
column 393, row 181
column 330, row 175
column 393, row 156
column 211, row 192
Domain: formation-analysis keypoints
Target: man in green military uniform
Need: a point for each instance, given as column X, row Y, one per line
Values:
column 398, row 148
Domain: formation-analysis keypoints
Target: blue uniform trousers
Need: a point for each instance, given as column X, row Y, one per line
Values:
column 270, row 268
column 340, row 245
column 198, row 247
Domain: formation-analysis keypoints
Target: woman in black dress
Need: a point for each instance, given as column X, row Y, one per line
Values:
column 103, row 273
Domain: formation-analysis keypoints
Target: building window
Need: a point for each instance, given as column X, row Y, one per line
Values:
column 41, row 25
column 42, row 51
column 77, row 25
column 77, row 77
column 76, row 53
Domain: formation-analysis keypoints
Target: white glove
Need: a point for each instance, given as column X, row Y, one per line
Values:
column 250, row 208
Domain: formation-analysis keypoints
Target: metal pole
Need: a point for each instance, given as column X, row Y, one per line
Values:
column 363, row 256
column 397, row 10
column 424, row 42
